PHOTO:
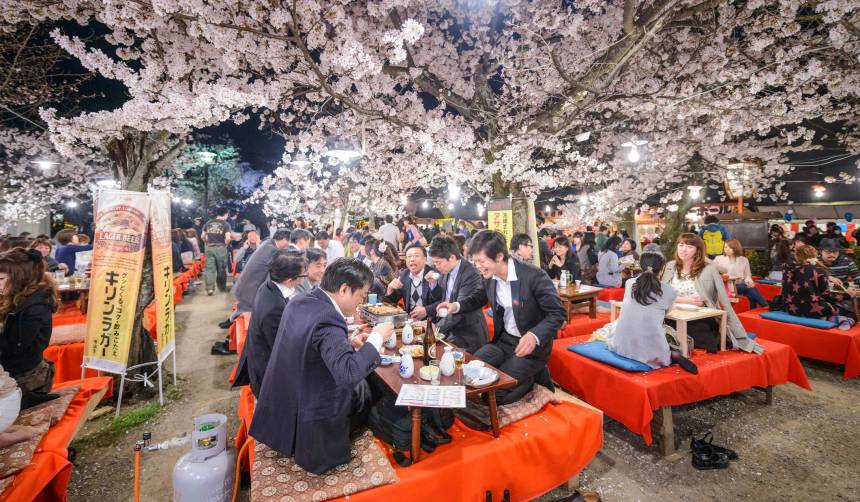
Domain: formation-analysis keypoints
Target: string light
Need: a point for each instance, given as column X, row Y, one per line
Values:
column 450, row 206
column 425, row 204
column 72, row 204
column 819, row 190
column 547, row 209
column 695, row 191
column 45, row 164
column 453, row 191
column 480, row 209
column 633, row 144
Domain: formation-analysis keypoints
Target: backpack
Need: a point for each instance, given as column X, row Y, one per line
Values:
column 393, row 425
column 713, row 241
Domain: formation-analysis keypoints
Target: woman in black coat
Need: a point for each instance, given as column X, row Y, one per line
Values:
column 563, row 259
column 28, row 298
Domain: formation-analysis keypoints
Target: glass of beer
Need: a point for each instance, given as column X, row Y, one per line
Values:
column 459, row 359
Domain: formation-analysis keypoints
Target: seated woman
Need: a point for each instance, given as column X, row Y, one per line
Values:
column 28, row 297
column 383, row 264
column 563, row 259
column 737, row 267
column 699, row 283
column 608, row 268
column 44, row 246
column 780, row 256
column 806, row 287
column 639, row 332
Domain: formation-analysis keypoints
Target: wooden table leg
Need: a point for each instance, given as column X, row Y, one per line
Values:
column 494, row 413
column 768, row 394
column 416, row 433
column 723, row 322
column 84, row 298
column 592, row 307
column 665, row 431
column 681, row 331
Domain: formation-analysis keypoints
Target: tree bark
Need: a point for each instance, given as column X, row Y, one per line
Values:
column 138, row 158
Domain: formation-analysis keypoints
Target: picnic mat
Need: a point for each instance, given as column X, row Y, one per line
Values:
column 630, row 398
column 529, row 458
column 67, row 363
column 831, row 345
column 47, row 476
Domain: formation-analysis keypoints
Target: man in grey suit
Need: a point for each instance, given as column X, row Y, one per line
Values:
column 461, row 283
column 255, row 273
column 317, row 262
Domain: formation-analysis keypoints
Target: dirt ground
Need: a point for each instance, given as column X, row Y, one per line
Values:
column 804, row 446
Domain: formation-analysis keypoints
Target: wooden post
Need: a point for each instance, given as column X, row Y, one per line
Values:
column 665, row 431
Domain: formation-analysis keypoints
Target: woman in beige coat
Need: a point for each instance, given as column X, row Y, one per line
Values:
column 698, row 282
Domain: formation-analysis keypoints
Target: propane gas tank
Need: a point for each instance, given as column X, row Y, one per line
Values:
column 205, row 474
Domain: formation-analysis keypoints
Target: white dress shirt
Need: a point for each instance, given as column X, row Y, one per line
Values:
column 374, row 338
column 333, row 251
column 287, row 292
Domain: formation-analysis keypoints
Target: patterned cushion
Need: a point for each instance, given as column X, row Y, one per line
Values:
column 527, row 406
column 277, row 478
column 58, row 406
column 17, row 456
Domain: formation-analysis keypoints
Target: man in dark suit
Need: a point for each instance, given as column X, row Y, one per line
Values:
column 246, row 286
column 527, row 313
column 461, row 283
column 286, row 272
column 314, row 385
column 415, row 285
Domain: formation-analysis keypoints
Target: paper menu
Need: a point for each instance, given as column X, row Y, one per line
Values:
column 432, row 396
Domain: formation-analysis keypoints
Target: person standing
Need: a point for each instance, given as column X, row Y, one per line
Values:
column 285, row 273
column 216, row 236
column 528, row 313
column 601, row 237
column 314, row 391
column 389, row 231
column 714, row 235
column 67, row 249
column 460, row 283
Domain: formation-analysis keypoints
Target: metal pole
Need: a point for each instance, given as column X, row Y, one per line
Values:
column 206, row 191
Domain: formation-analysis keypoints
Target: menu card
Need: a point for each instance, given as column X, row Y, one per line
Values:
column 432, row 396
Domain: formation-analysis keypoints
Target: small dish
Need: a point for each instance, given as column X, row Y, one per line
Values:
column 386, row 360
column 687, row 307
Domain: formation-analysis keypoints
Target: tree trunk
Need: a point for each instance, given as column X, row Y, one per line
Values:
column 522, row 207
column 138, row 158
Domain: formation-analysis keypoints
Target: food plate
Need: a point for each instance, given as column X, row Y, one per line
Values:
column 415, row 350
column 687, row 307
column 386, row 360
column 486, row 376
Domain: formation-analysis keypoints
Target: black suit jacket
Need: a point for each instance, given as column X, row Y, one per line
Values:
column 428, row 295
column 467, row 328
column 307, row 395
column 537, row 307
column 269, row 304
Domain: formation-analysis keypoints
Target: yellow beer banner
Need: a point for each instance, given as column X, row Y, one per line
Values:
column 162, row 270
column 500, row 217
column 118, row 252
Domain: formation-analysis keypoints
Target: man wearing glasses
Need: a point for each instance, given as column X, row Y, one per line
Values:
column 522, row 248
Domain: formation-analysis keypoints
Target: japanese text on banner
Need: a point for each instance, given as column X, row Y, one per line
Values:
column 500, row 217
column 162, row 270
column 118, row 254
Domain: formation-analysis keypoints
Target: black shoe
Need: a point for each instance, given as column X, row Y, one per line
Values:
column 706, row 443
column 225, row 324
column 222, row 349
column 705, row 459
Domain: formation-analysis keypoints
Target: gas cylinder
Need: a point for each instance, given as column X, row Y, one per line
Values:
column 205, row 474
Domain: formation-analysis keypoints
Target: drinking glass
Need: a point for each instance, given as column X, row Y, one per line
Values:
column 436, row 375
column 459, row 359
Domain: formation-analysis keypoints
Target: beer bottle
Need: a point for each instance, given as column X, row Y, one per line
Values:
column 425, row 344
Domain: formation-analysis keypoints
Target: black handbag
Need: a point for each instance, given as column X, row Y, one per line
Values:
column 393, row 425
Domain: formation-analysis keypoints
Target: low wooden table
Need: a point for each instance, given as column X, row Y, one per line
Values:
column 681, row 318
column 83, row 298
column 572, row 295
column 390, row 375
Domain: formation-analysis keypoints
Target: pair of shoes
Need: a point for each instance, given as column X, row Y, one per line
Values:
column 225, row 324
column 210, row 292
column 222, row 349
column 706, row 459
column 706, row 441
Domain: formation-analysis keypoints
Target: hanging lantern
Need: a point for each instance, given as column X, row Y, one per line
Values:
column 849, row 217
column 695, row 191
column 739, row 180
column 819, row 190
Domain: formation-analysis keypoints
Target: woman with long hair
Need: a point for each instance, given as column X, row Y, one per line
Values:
column 806, row 287
column 733, row 263
column 563, row 259
column 639, row 332
column 608, row 268
column 28, row 298
column 781, row 256
column 586, row 253
column 699, row 283
column 383, row 261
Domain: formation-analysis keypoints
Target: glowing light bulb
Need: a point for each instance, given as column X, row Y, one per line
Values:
column 633, row 156
column 695, row 191
column 72, row 204
column 425, row 205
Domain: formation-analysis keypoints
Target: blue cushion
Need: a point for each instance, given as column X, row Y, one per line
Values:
column 768, row 281
column 796, row 319
column 600, row 352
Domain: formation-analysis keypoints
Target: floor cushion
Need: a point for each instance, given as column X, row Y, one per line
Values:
column 598, row 351
column 796, row 319
column 282, row 479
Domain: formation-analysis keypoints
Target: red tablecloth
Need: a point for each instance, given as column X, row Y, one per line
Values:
column 630, row 398
column 530, row 458
column 769, row 290
column 609, row 294
column 67, row 362
column 66, row 317
column 831, row 345
column 238, row 333
column 246, row 413
column 581, row 324
column 47, row 476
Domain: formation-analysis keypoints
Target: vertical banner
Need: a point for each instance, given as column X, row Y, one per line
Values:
column 118, row 253
column 162, row 270
column 500, row 217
